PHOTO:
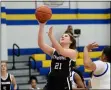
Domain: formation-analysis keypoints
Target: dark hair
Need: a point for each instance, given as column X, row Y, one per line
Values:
column 73, row 44
column 107, row 53
column 69, row 30
column 33, row 78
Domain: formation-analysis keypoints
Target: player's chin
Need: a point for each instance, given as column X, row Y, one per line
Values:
column 62, row 42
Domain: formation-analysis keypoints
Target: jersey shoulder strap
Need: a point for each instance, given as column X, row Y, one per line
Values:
column 9, row 76
column 53, row 51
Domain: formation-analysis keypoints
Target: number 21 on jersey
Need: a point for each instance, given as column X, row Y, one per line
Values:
column 58, row 66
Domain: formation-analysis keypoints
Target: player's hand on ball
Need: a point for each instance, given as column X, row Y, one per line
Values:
column 42, row 23
column 50, row 31
column 92, row 46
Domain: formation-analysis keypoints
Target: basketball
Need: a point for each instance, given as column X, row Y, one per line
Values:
column 43, row 13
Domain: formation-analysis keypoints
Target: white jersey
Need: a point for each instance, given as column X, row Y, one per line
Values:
column 101, row 80
column 72, row 80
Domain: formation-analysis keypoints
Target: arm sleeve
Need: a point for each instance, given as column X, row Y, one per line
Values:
column 100, row 67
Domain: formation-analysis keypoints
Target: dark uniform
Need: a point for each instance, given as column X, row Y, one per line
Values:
column 59, row 77
column 5, row 84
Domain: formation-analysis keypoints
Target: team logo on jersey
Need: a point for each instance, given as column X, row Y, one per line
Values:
column 53, row 3
column 58, row 57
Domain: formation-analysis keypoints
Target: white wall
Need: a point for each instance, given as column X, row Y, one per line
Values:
column 3, row 41
column 94, row 5
column 94, row 33
column 26, row 36
column 20, row 5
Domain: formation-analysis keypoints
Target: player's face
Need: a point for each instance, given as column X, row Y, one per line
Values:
column 3, row 67
column 65, row 39
column 33, row 83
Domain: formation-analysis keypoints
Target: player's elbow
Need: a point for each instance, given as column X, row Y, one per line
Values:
column 86, row 63
column 40, row 44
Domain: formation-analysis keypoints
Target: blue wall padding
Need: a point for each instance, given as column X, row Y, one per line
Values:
column 81, row 68
column 44, row 71
column 87, row 74
column 33, row 64
column 38, row 64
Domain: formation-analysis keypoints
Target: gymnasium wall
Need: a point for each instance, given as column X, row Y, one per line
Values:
column 93, row 18
column 3, row 35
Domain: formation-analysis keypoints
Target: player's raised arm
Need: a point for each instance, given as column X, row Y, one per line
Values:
column 46, row 48
column 43, row 14
column 87, row 60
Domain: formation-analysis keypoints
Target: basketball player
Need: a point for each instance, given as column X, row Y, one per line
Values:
column 77, row 78
column 33, row 82
column 101, row 68
column 6, row 78
column 76, row 81
column 62, row 53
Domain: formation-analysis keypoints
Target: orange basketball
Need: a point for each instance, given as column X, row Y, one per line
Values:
column 43, row 13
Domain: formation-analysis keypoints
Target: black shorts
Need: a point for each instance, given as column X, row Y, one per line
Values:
column 58, row 83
